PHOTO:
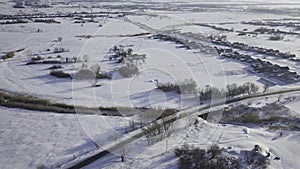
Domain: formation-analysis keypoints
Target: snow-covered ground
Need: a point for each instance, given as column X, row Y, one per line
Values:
column 239, row 138
column 30, row 139
column 295, row 106
column 162, row 60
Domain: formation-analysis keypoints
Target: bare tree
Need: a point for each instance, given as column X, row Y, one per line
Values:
column 85, row 58
column 95, row 70
column 279, row 97
column 123, row 153
column 59, row 38
column 266, row 86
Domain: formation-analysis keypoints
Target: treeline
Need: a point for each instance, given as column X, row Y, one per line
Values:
column 46, row 20
column 215, row 27
column 17, row 21
column 231, row 91
column 189, row 86
column 182, row 87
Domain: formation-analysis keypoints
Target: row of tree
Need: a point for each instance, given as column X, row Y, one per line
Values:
column 231, row 91
column 183, row 87
column 189, row 86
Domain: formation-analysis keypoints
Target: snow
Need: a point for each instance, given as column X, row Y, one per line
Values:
column 29, row 139
column 294, row 106
column 18, row 77
column 163, row 60
column 203, row 135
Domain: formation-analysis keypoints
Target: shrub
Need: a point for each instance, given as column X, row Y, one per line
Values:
column 278, row 127
column 33, row 103
column 84, row 74
column 255, row 159
column 1, row 97
column 85, row 58
column 276, row 37
column 59, row 74
column 188, row 86
column 60, row 50
column 128, row 70
column 75, row 59
column 251, row 118
column 190, row 157
column 40, row 166
column 214, row 150
column 28, row 99
column 23, row 98
column 8, row 55
column 44, row 62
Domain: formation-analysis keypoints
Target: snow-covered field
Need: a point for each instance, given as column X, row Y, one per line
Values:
column 235, row 139
column 161, row 57
column 33, row 139
column 162, row 60
column 30, row 139
column 203, row 136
